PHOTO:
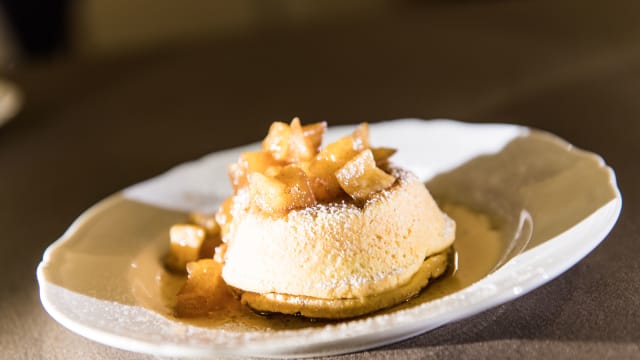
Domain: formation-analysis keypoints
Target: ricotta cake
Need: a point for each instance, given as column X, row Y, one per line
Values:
column 328, row 232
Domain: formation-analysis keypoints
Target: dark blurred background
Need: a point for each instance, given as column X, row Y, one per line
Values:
column 40, row 29
column 118, row 91
column 503, row 60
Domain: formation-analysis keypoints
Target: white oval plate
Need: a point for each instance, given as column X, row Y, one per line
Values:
column 92, row 281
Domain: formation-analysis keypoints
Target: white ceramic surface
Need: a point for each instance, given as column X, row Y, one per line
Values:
column 113, row 317
column 10, row 101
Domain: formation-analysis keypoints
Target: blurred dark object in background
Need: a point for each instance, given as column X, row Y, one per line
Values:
column 41, row 27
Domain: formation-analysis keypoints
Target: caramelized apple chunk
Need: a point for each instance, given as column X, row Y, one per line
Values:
column 322, row 170
column 212, row 237
column 300, row 148
column 267, row 193
column 298, row 188
column 324, row 185
column 278, row 187
column 339, row 151
column 331, row 158
column 314, row 133
column 250, row 161
column 290, row 189
column 205, row 290
column 360, row 137
column 360, row 177
column 207, row 221
column 277, row 140
column 184, row 246
column 382, row 155
column 345, row 148
column 293, row 143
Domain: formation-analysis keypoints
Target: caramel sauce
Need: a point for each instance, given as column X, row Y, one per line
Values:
column 478, row 248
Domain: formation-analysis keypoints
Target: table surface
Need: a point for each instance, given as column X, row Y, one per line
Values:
column 90, row 128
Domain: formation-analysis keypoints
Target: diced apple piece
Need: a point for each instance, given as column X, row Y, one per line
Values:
column 293, row 143
column 185, row 243
column 250, row 161
column 207, row 221
column 323, row 180
column 277, row 140
column 204, row 292
column 272, row 170
column 298, row 189
column 257, row 160
column 314, row 133
column 382, row 154
column 212, row 237
column 361, row 137
column 288, row 190
column 322, row 170
column 339, row 151
column 267, row 193
column 305, row 166
column 345, row 148
column 360, row 177
column 300, row 147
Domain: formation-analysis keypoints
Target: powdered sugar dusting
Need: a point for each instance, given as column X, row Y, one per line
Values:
column 338, row 250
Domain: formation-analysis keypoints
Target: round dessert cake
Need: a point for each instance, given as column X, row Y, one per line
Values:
column 339, row 259
column 335, row 232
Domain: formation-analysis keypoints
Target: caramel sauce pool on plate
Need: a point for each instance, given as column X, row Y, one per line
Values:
column 478, row 247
